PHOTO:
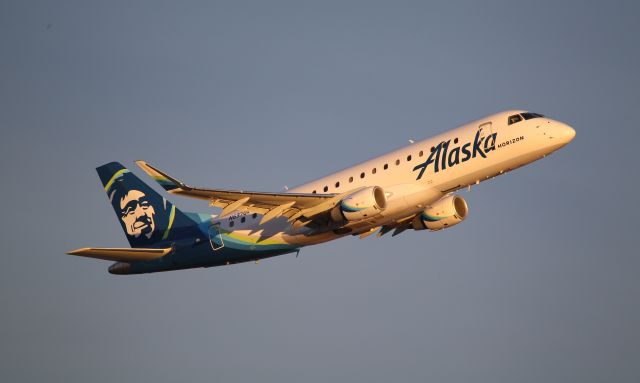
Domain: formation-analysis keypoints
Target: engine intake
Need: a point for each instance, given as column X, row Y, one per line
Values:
column 446, row 212
column 360, row 205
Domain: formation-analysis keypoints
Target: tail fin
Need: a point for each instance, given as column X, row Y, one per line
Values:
column 147, row 218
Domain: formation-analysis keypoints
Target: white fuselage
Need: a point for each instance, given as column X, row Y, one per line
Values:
column 417, row 175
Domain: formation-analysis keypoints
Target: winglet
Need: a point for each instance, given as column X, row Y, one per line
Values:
column 167, row 182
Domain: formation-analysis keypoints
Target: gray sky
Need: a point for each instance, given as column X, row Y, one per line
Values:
column 540, row 284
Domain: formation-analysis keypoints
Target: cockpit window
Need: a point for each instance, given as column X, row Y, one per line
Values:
column 515, row 118
column 528, row 116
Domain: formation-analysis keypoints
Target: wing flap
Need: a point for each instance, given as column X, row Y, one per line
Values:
column 121, row 254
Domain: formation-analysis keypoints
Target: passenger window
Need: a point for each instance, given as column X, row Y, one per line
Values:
column 338, row 184
column 231, row 223
column 326, row 189
column 350, row 179
column 255, row 215
column 515, row 118
column 373, row 171
column 362, row 175
column 409, row 158
column 397, row 162
column 242, row 220
column 313, row 192
column 420, row 154
column 386, row 166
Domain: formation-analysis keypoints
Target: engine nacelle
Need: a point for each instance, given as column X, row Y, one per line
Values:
column 360, row 205
column 446, row 212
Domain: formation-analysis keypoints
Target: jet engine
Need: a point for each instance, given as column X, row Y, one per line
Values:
column 360, row 205
column 446, row 212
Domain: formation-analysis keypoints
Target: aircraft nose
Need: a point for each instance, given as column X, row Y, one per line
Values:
column 566, row 133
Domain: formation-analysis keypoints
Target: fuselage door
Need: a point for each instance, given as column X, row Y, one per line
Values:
column 486, row 129
column 215, row 238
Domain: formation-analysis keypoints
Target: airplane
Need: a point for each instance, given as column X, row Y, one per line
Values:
column 408, row 188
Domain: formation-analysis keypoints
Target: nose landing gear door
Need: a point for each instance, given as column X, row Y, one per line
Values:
column 215, row 238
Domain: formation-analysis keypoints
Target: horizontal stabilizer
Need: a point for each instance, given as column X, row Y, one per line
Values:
column 121, row 254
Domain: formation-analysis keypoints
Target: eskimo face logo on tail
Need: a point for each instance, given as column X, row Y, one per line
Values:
column 441, row 156
column 143, row 215
column 137, row 214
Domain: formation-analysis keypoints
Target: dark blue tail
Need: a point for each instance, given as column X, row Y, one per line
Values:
column 147, row 218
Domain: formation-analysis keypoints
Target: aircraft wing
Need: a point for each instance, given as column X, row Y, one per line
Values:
column 303, row 207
